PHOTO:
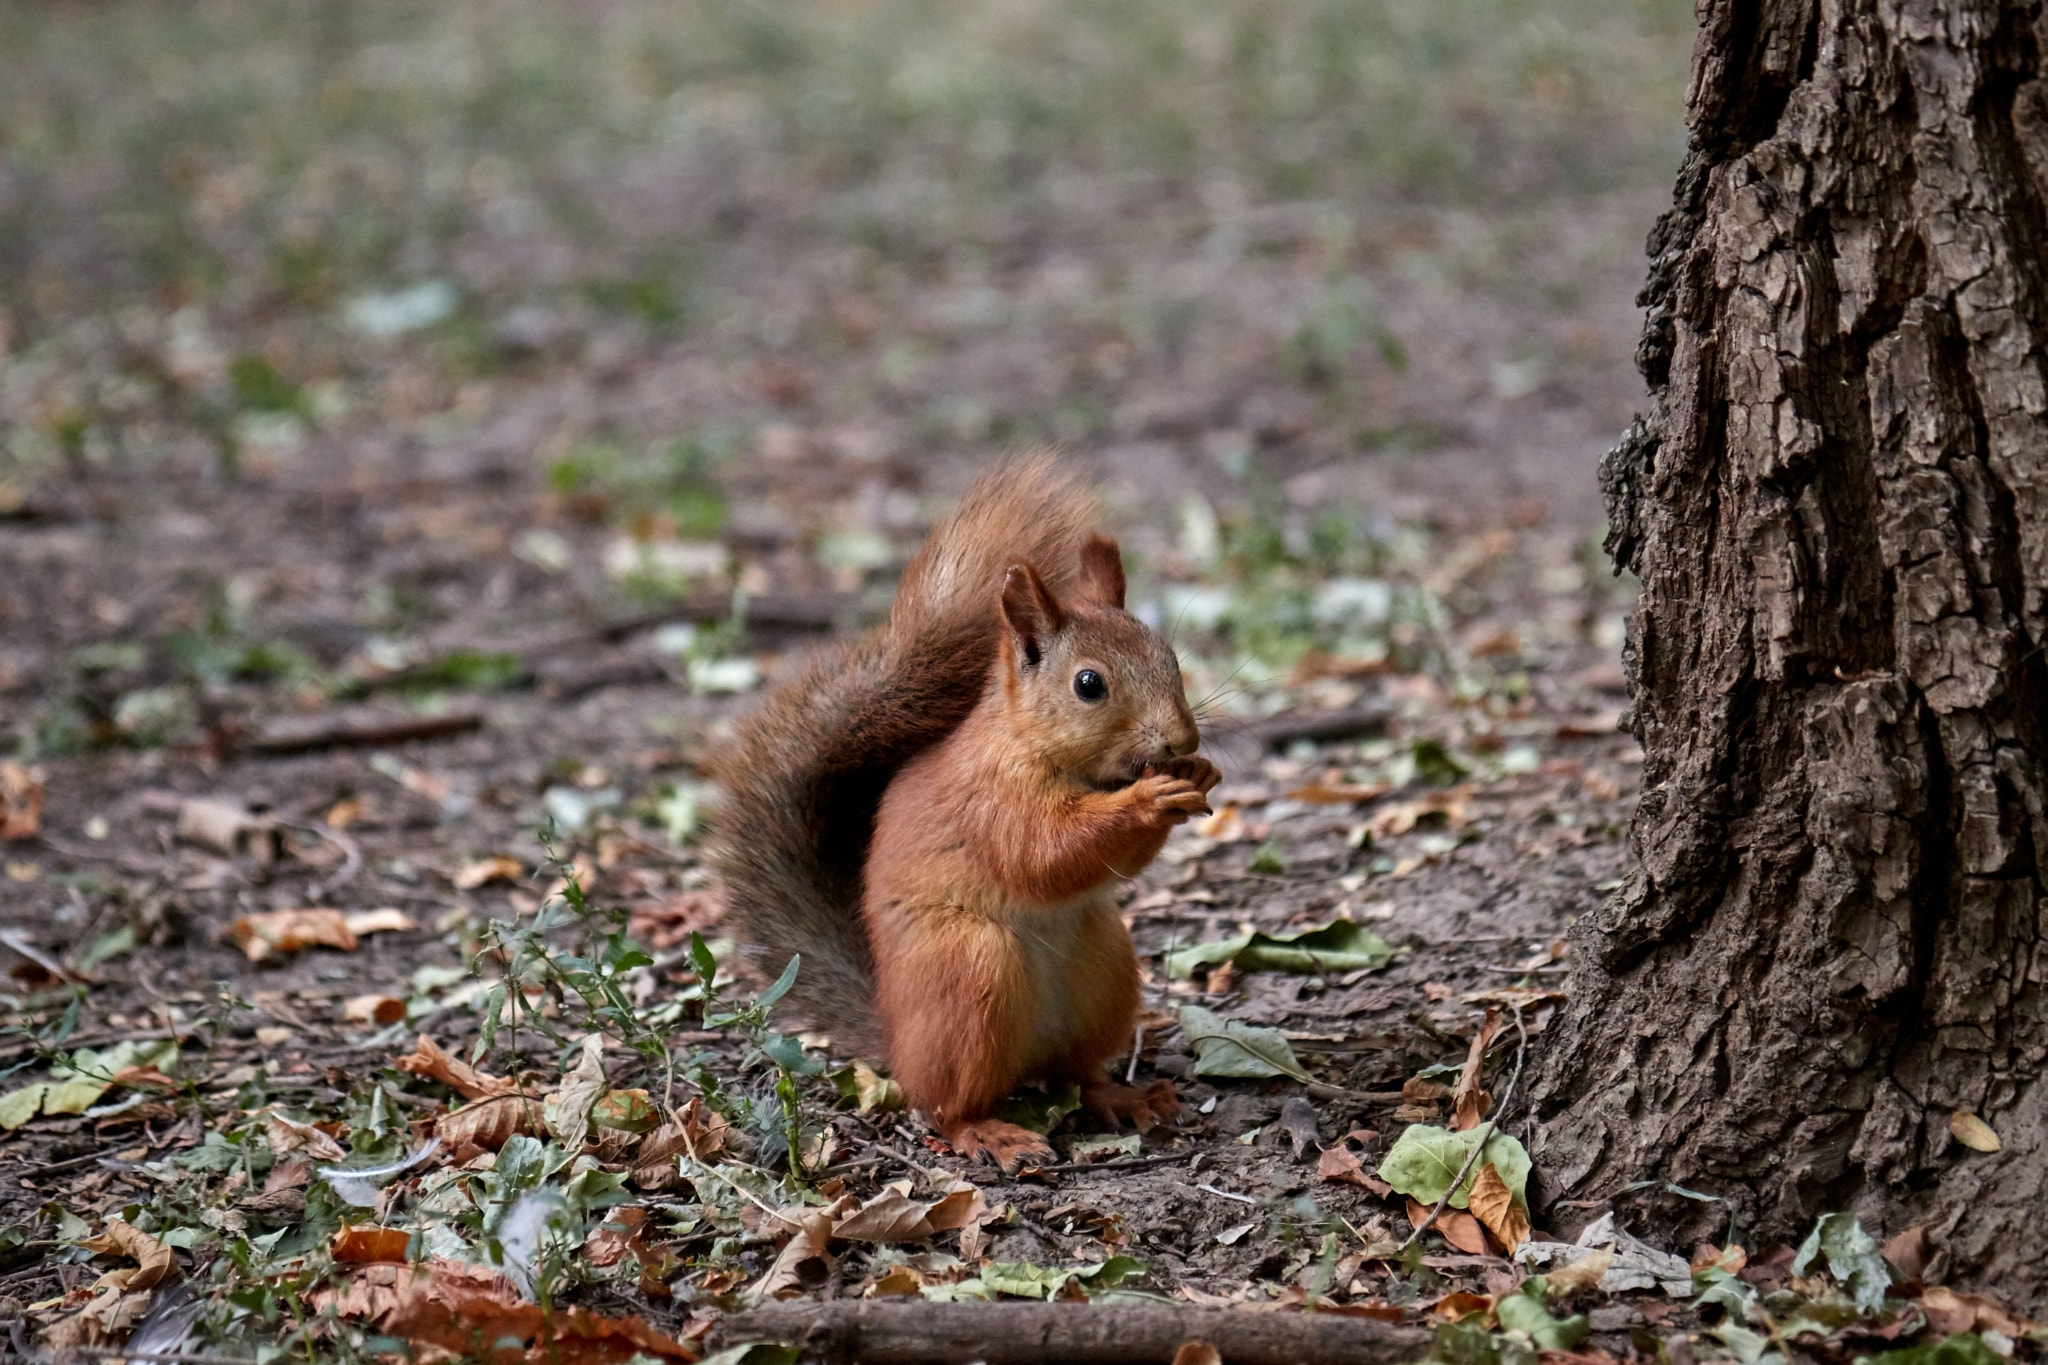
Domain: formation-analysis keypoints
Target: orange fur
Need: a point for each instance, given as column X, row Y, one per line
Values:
column 1000, row 955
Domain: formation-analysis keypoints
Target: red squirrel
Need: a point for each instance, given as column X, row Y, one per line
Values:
column 936, row 817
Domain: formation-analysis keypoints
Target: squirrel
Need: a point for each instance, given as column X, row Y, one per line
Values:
column 935, row 817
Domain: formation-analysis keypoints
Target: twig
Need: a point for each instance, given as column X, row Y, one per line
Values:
column 1137, row 1046
column 359, row 731
column 1226, row 1194
column 57, row 1167
column 1485, row 1134
column 905, row 1333
column 1277, row 732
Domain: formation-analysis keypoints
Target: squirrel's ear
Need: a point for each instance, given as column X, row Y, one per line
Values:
column 1101, row 577
column 1034, row 616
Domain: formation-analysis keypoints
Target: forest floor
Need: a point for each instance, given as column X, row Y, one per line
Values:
column 420, row 435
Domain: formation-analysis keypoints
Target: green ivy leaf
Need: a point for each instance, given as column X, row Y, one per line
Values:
column 1853, row 1259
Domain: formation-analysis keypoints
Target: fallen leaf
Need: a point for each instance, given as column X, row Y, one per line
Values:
column 695, row 1131
column 384, row 920
column 897, row 1281
column 372, row 1009
column 472, row 1310
column 1340, row 793
column 567, row 1112
column 21, row 803
column 484, row 871
column 1456, row 1307
column 77, row 1086
column 892, row 1216
column 1341, row 1165
column 1469, row 1102
column 1950, row 1312
column 286, row 931
column 805, row 1262
column 431, row 1060
column 1973, row 1132
column 1339, row 946
column 290, row 1137
column 229, row 829
column 153, row 1259
column 1224, row 1047
column 488, row 1124
column 1580, row 1275
column 1463, row 1231
column 1495, row 1205
column 630, row 1111
column 367, row 1245
column 1908, row 1251
column 1446, row 808
column 1424, row 1161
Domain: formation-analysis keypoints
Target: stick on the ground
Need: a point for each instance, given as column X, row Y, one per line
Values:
column 1353, row 722
column 907, row 1332
column 1485, row 1134
column 359, row 731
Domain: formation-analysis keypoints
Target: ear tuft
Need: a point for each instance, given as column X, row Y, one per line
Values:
column 1031, row 611
column 1101, row 576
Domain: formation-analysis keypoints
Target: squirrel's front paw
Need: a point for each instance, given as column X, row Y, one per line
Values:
column 1005, row 1143
column 1161, row 801
column 1191, row 768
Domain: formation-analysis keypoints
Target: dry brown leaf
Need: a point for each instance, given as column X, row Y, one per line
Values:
column 1463, row 1231
column 616, row 1238
column 287, row 931
column 372, row 1009
column 1341, row 1165
column 289, row 1137
column 892, row 1216
column 1949, row 1312
column 484, row 871
column 487, row 1125
column 696, row 1131
column 896, row 1281
column 386, row 919
column 229, row 829
column 1469, row 1102
column 1225, row 826
column 805, row 1262
column 1973, row 1132
column 153, row 1259
column 1582, row 1274
column 1909, row 1252
column 1495, row 1205
column 367, row 1245
column 470, row 1310
column 102, row 1319
column 21, row 803
column 431, row 1060
column 669, row 923
column 1458, row 1306
column 1197, row 1353
column 1446, row 807
column 346, row 812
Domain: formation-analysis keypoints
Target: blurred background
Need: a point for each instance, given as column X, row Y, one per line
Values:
column 386, row 351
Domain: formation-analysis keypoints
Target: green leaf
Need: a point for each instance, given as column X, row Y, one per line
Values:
column 1463, row 1343
column 1424, row 1161
column 1268, row 859
column 1853, row 1259
column 701, row 958
column 1526, row 1313
column 1339, row 946
column 782, row 984
column 1963, row 1348
column 1224, row 1047
column 1103, row 1148
column 1751, row 1348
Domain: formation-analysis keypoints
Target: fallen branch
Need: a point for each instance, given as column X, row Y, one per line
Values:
column 769, row 611
column 905, row 1332
column 1353, row 722
column 358, row 731
column 1485, row 1134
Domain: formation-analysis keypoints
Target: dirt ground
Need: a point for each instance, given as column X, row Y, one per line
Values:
column 568, row 506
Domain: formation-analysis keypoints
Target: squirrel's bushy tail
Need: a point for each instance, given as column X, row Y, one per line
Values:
column 806, row 771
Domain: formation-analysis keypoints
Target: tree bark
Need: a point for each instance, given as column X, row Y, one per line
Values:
column 1838, row 508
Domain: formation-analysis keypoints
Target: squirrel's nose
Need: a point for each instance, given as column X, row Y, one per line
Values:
column 1182, row 737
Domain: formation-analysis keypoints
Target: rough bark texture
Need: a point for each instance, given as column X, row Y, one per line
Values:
column 1838, row 508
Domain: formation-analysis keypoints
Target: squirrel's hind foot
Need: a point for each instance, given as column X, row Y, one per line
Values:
column 1004, row 1143
column 1145, row 1106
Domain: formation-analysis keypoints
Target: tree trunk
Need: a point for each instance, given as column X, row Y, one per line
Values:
column 1834, row 941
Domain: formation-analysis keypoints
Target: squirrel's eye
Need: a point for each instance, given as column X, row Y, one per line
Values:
column 1089, row 686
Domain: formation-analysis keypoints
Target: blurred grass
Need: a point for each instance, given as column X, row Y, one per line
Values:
column 271, row 159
